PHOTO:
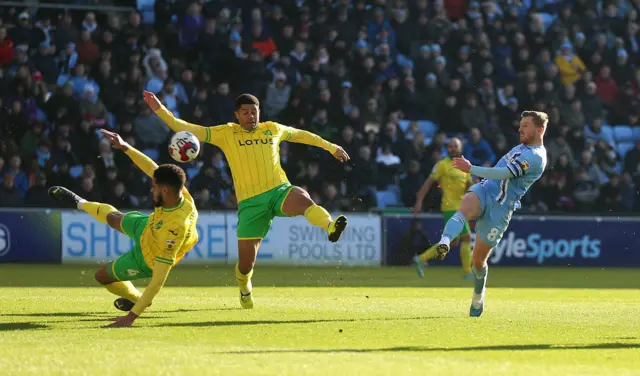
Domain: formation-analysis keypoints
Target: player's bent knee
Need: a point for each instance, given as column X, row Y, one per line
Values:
column 103, row 277
column 471, row 207
column 297, row 202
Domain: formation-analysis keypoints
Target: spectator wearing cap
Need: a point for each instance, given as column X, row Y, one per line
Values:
column 570, row 65
column 433, row 97
column 23, row 32
column 6, row 47
column 622, row 70
column 440, row 70
column 278, row 94
column 92, row 108
column 45, row 62
column 68, row 59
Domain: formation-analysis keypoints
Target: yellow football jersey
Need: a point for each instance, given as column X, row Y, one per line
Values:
column 453, row 182
column 170, row 232
column 253, row 156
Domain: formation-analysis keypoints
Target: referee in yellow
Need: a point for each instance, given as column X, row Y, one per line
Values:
column 454, row 184
column 262, row 188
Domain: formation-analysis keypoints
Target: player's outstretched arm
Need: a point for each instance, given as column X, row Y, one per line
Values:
column 161, row 271
column 303, row 137
column 146, row 164
column 174, row 123
column 426, row 187
column 493, row 173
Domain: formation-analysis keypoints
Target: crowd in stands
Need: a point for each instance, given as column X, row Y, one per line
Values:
column 389, row 80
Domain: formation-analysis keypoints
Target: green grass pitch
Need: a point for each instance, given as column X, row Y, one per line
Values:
column 333, row 321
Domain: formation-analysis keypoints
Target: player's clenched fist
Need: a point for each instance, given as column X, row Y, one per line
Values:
column 341, row 155
column 462, row 164
column 152, row 100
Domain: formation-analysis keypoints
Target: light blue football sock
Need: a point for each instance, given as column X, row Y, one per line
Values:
column 480, row 279
column 454, row 226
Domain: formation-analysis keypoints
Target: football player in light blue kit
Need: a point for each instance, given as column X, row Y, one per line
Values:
column 493, row 200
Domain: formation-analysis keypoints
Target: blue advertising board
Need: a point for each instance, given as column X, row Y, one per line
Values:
column 32, row 236
column 550, row 241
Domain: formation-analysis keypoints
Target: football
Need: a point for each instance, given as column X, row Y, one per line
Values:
column 184, row 147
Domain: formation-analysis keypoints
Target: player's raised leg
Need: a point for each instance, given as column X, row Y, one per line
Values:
column 470, row 209
column 298, row 202
column 109, row 215
column 98, row 210
column 480, row 271
column 247, row 254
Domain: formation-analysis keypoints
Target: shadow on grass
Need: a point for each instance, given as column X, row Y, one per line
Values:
column 57, row 314
column 15, row 276
column 595, row 346
column 281, row 322
column 180, row 310
column 7, row 326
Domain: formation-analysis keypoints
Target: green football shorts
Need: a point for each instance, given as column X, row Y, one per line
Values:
column 256, row 214
column 131, row 265
column 448, row 214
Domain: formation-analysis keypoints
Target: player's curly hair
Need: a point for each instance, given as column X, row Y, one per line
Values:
column 246, row 99
column 540, row 119
column 170, row 175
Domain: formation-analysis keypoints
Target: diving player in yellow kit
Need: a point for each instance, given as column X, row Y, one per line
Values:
column 161, row 239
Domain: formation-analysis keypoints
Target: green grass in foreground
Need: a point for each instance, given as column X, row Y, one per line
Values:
column 551, row 321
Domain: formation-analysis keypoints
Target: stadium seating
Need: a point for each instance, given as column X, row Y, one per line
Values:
column 622, row 133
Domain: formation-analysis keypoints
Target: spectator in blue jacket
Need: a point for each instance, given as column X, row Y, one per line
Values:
column 478, row 151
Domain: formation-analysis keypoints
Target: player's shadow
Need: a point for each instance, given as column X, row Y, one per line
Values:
column 8, row 326
column 181, row 310
column 533, row 347
column 281, row 322
column 57, row 314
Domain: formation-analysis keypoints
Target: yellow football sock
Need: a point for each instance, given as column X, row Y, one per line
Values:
column 98, row 211
column 124, row 289
column 318, row 216
column 429, row 254
column 465, row 256
column 244, row 280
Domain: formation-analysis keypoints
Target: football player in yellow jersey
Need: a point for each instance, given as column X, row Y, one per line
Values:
column 161, row 239
column 262, row 188
column 454, row 184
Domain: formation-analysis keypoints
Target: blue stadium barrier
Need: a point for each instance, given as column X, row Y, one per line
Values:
column 75, row 237
column 540, row 240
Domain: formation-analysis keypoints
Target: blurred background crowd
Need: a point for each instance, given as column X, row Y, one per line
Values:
column 389, row 80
